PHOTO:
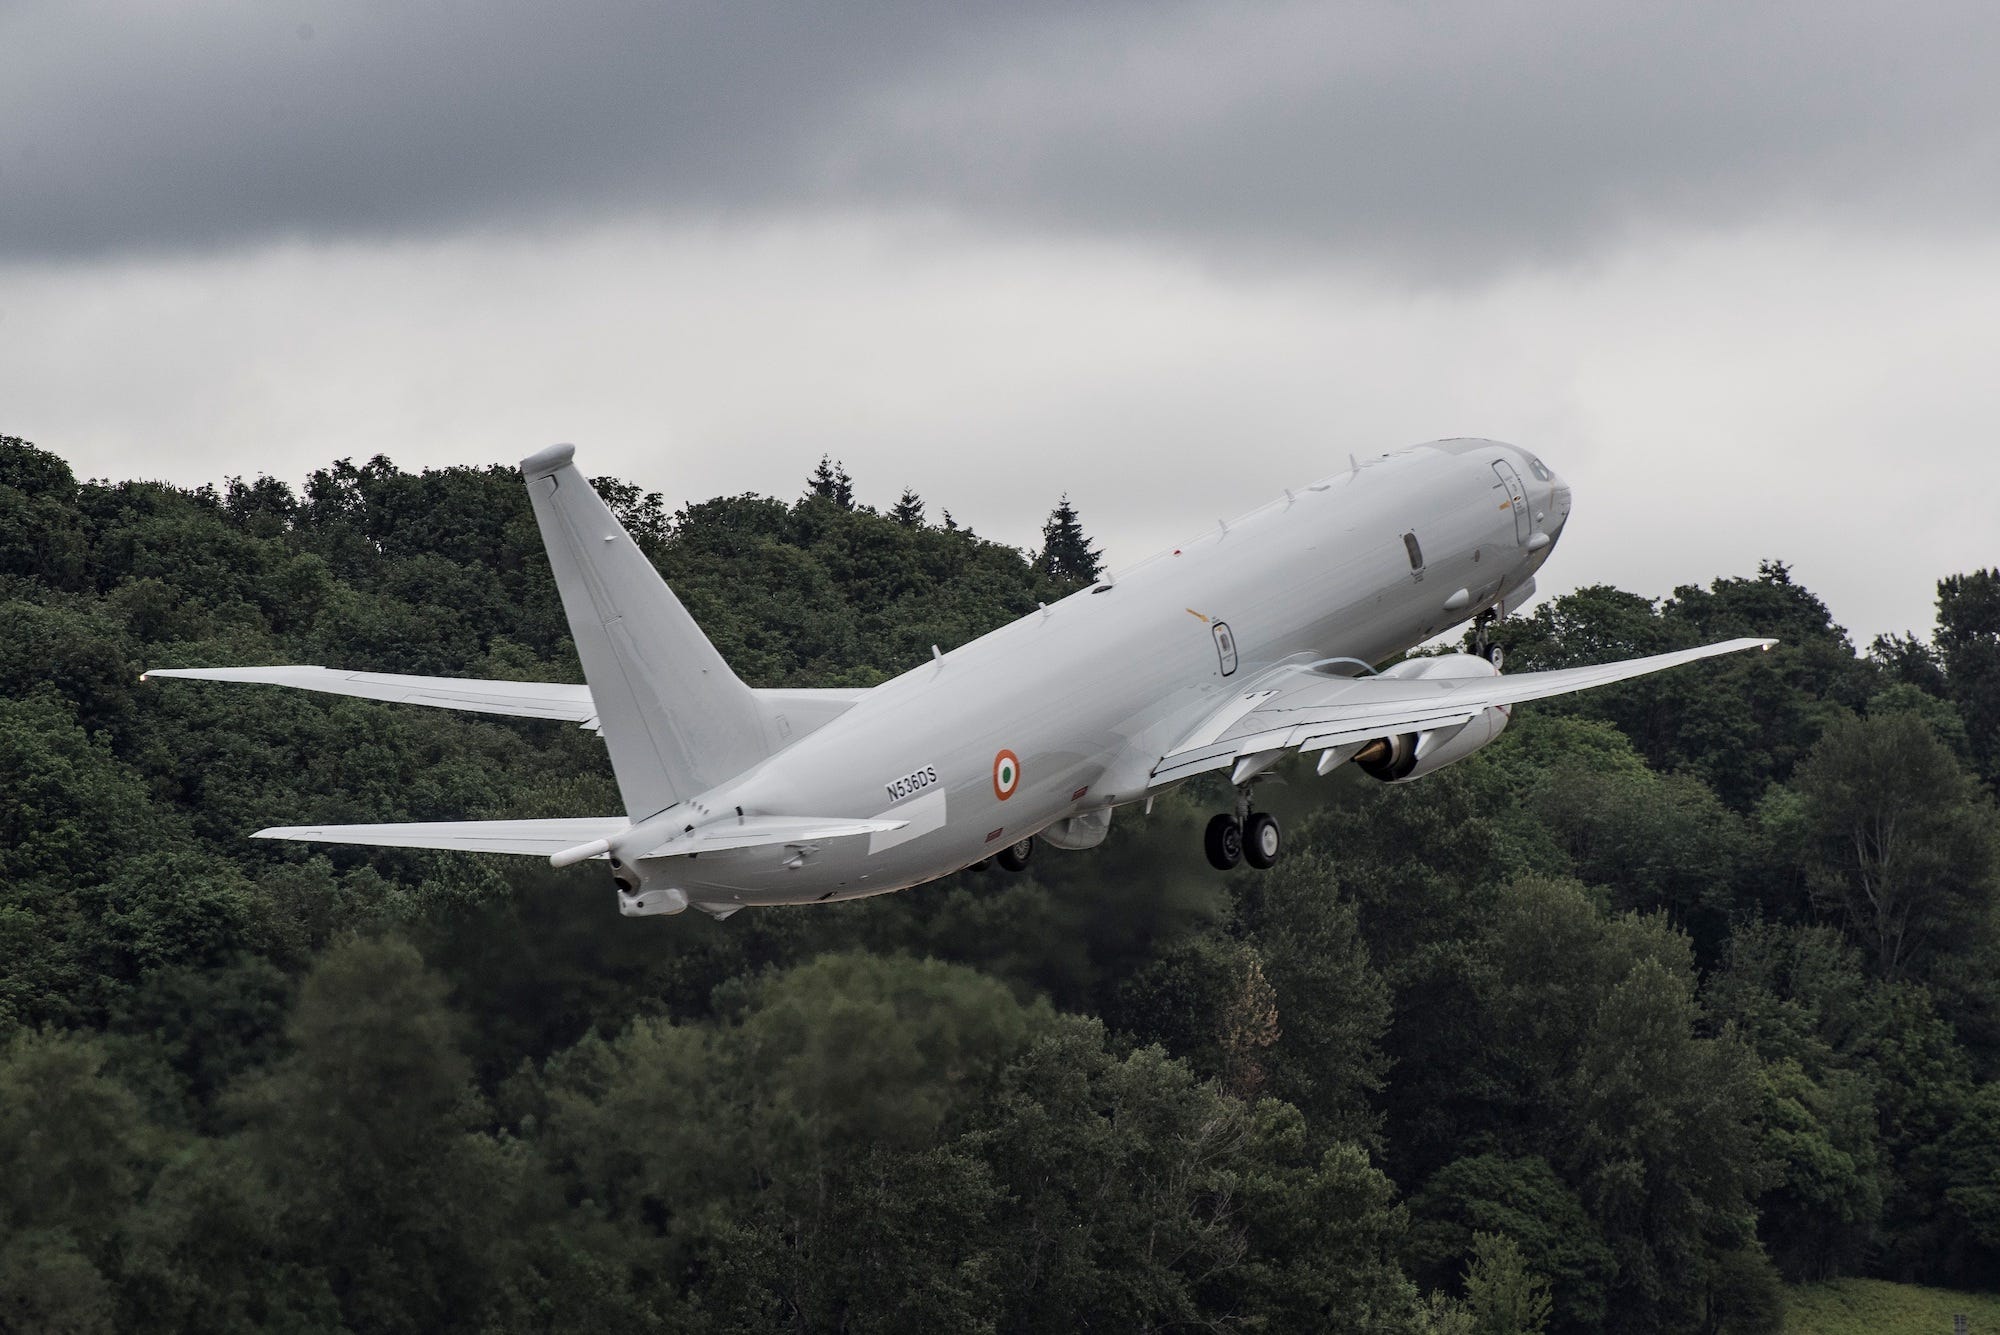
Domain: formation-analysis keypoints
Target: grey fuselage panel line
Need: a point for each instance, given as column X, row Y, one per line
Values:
column 1240, row 645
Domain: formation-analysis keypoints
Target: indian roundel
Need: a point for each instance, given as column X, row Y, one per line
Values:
column 1006, row 774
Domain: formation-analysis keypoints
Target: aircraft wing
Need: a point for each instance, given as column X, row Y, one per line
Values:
column 523, row 699
column 808, row 707
column 1301, row 709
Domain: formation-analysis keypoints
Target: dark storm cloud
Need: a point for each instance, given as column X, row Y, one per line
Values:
column 1442, row 137
column 164, row 127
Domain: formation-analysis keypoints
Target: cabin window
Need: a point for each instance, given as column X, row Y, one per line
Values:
column 1225, row 647
column 1416, row 552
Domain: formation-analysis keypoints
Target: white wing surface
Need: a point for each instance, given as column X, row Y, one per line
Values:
column 1298, row 708
column 523, row 699
column 547, row 837
column 806, row 708
column 550, row 837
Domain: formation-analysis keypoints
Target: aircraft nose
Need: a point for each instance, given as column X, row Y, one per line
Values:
column 1551, row 496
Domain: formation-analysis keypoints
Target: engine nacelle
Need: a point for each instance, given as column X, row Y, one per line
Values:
column 1412, row 755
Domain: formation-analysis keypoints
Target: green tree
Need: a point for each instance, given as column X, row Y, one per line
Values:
column 1902, row 842
column 1822, row 1203
column 77, row 1151
column 909, row 509
column 829, row 481
column 1523, row 1199
column 1968, row 648
column 41, row 537
column 1139, row 1198
column 1066, row 552
column 1505, row 1296
column 1970, row 1151
column 365, row 1148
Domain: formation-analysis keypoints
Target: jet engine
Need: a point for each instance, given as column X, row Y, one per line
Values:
column 1412, row 755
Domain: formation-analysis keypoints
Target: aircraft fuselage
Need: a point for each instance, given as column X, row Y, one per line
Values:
column 1064, row 713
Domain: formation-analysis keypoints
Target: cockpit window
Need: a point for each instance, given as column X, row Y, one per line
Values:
column 1540, row 471
column 1416, row 552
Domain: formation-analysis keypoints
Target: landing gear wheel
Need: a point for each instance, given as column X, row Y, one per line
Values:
column 1482, row 645
column 1263, row 841
column 1014, row 857
column 1223, row 842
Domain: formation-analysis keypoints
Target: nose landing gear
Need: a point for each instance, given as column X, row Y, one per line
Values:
column 1243, row 836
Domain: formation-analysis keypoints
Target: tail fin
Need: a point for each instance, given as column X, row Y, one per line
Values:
column 676, row 720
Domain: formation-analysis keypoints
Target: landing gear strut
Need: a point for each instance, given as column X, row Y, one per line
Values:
column 1242, row 836
column 1481, row 644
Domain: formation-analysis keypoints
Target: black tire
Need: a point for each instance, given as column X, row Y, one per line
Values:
column 1223, row 842
column 1263, row 841
column 1014, row 857
column 1495, row 655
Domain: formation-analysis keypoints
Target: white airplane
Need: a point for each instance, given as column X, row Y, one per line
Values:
column 1227, row 653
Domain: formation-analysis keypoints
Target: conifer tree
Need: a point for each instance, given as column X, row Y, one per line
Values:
column 830, row 480
column 909, row 510
column 1066, row 550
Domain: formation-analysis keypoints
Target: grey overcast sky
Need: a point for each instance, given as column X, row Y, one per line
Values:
column 1733, row 268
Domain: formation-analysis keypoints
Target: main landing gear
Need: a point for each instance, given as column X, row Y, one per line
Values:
column 1014, row 857
column 1248, row 836
column 1482, row 645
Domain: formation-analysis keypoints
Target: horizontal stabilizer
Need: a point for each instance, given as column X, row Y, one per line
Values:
column 552, row 837
column 546, row 837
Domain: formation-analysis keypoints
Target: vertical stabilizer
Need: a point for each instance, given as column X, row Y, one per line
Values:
column 676, row 720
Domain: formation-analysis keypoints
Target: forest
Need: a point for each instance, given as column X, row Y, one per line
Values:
column 1682, row 992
